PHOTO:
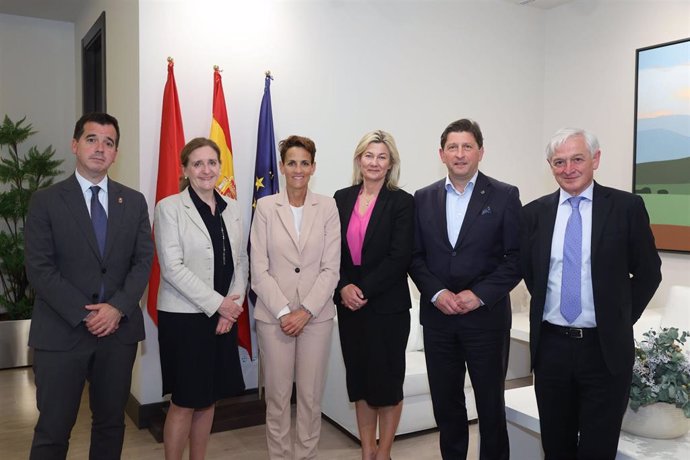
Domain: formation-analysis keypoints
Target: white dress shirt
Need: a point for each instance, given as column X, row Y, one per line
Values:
column 552, row 305
column 85, row 185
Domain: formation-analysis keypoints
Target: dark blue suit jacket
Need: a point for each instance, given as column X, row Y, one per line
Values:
column 484, row 259
column 626, row 269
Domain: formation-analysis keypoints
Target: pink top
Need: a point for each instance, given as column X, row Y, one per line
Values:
column 356, row 230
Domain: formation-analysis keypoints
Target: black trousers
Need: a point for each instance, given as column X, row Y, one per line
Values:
column 106, row 364
column 581, row 404
column 484, row 353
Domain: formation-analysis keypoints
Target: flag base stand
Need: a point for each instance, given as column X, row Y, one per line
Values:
column 231, row 413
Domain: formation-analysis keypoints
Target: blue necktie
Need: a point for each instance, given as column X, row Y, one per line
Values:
column 98, row 218
column 571, row 304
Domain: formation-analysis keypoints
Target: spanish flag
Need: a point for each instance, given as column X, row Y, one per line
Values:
column 220, row 134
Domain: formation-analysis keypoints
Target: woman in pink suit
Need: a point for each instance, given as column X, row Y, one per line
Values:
column 295, row 261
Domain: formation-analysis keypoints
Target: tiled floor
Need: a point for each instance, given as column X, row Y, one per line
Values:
column 18, row 415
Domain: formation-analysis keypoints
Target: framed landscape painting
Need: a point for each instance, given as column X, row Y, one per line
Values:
column 661, row 174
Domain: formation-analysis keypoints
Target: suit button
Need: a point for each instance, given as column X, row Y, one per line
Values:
column 454, row 253
column 103, row 270
column 297, row 270
column 94, row 297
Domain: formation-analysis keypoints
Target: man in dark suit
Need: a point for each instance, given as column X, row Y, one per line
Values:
column 465, row 262
column 88, row 255
column 590, row 263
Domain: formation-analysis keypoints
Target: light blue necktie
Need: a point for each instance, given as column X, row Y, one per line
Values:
column 571, row 304
column 99, row 219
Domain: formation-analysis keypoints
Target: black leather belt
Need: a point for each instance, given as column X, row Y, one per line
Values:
column 572, row 332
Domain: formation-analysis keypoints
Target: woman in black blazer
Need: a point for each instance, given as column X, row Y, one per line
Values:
column 372, row 297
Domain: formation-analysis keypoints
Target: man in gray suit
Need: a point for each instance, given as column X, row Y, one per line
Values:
column 88, row 256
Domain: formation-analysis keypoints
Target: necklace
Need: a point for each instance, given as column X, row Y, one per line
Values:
column 367, row 199
column 222, row 237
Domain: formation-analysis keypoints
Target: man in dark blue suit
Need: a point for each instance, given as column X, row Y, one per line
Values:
column 465, row 262
column 88, row 255
column 585, row 299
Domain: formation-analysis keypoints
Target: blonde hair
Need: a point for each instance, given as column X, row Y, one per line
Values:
column 378, row 137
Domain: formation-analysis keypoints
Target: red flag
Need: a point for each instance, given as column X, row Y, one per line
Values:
column 220, row 134
column 169, row 169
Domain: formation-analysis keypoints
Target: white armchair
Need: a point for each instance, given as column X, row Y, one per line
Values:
column 417, row 413
column 676, row 313
column 677, row 308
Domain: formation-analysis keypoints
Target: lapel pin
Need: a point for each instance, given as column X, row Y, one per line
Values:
column 119, row 200
column 482, row 192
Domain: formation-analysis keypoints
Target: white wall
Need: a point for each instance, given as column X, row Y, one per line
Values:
column 37, row 81
column 590, row 83
column 342, row 69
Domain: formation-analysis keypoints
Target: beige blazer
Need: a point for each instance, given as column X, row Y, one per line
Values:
column 185, row 255
column 292, row 271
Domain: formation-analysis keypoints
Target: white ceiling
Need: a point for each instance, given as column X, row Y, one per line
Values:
column 66, row 10
column 57, row 10
column 541, row 4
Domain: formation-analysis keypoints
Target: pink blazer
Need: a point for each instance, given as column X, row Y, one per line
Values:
column 289, row 271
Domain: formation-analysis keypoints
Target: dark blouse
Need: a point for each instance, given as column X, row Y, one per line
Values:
column 223, row 267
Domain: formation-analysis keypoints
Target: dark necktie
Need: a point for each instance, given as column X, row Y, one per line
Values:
column 571, row 304
column 98, row 218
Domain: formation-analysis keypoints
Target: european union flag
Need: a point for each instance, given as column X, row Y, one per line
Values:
column 265, row 170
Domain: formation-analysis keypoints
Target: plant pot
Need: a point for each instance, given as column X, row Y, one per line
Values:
column 658, row 421
column 14, row 340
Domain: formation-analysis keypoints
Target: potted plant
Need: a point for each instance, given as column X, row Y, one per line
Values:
column 20, row 176
column 660, row 390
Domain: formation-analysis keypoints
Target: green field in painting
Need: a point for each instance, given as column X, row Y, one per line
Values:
column 679, row 189
column 668, row 209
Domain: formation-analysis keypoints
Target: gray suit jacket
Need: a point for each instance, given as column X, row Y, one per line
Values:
column 66, row 269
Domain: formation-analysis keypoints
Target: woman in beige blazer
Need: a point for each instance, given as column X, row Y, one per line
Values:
column 295, row 262
column 203, row 264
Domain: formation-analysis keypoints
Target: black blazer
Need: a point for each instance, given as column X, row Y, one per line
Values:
column 65, row 267
column 484, row 259
column 626, row 269
column 386, row 252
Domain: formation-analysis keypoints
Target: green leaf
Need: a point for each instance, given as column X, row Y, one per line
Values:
column 20, row 176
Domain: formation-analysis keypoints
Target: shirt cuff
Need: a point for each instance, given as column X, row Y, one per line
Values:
column 433, row 299
column 283, row 312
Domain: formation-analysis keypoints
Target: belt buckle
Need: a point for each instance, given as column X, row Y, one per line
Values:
column 575, row 333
